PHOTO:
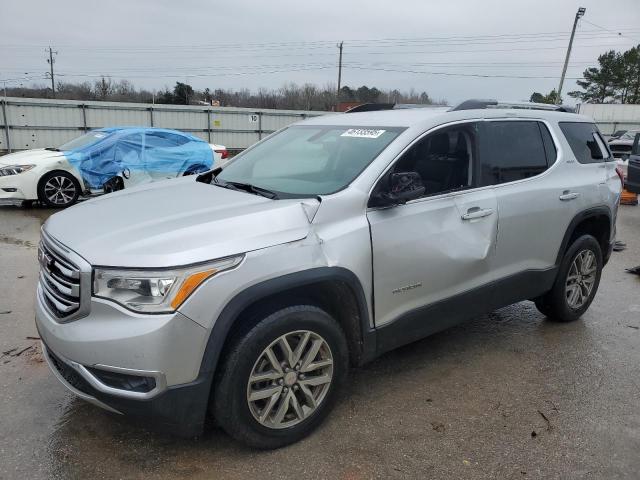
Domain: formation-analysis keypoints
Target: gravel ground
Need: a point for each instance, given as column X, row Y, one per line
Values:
column 506, row 395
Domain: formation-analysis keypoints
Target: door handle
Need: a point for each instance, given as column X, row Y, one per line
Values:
column 567, row 195
column 477, row 212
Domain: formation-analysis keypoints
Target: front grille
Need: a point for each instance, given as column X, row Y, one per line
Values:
column 60, row 281
column 620, row 148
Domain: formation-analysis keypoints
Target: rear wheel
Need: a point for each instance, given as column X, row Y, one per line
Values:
column 577, row 282
column 281, row 378
column 58, row 189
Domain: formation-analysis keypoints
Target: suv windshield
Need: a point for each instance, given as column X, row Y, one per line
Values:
column 304, row 161
column 83, row 141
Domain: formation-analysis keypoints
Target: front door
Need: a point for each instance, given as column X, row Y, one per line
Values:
column 440, row 245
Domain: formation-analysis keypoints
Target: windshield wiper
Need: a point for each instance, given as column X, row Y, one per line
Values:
column 53, row 149
column 247, row 187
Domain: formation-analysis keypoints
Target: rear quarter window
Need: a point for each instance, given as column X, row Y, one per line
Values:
column 585, row 141
column 512, row 150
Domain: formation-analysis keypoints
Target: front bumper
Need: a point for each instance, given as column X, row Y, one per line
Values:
column 167, row 350
column 19, row 187
column 180, row 410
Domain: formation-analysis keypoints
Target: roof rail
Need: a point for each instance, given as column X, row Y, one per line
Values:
column 370, row 107
column 475, row 104
column 374, row 107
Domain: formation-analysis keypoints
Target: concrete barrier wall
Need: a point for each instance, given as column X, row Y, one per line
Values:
column 36, row 123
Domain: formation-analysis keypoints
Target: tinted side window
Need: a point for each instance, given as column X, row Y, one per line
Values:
column 549, row 146
column 510, row 151
column 443, row 159
column 582, row 139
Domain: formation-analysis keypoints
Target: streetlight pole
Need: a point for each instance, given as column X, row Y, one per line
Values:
column 579, row 15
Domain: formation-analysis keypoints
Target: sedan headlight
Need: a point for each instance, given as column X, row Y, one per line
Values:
column 14, row 169
column 155, row 291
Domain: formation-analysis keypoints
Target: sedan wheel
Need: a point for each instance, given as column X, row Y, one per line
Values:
column 58, row 189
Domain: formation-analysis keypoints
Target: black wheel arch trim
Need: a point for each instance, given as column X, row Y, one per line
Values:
column 577, row 219
column 234, row 308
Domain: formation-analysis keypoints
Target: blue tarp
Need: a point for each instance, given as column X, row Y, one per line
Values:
column 138, row 155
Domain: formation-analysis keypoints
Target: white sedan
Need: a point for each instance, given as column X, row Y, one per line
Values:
column 102, row 161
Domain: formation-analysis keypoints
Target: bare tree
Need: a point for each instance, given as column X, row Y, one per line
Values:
column 290, row 96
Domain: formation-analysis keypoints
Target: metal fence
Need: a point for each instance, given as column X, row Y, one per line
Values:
column 612, row 116
column 35, row 123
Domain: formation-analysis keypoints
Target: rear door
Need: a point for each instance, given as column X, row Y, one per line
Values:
column 633, row 171
column 163, row 156
column 537, row 193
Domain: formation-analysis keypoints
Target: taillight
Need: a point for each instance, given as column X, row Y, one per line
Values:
column 619, row 172
column 223, row 153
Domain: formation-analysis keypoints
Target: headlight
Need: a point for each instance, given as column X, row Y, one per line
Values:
column 155, row 291
column 14, row 169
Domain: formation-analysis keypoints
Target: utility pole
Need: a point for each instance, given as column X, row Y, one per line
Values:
column 339, row 74
column 579, row 15
column 51, row 61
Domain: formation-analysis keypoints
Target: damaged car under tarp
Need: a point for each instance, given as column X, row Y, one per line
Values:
column 102, row 161
column 137, row 155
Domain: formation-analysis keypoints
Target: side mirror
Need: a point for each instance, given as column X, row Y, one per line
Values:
column 403, row 187
column 635, row 150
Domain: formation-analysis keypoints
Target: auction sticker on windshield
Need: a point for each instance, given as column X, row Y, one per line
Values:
column 362, row 133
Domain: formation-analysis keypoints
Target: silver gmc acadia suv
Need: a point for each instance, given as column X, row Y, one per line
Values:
column 247, row 292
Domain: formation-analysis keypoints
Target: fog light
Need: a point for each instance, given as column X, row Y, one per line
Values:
column 10, row 190
column 122, row 381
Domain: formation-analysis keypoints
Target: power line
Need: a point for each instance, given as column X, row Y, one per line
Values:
column 454, row 74
column 260, row 72
column 619, row 33
column 329, row 43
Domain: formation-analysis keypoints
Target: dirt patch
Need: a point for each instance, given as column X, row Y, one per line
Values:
column 30, row 353
column 16, row 241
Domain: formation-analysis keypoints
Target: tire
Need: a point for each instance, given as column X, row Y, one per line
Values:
column 58, row 189
column 239, row 405
column 569, row 297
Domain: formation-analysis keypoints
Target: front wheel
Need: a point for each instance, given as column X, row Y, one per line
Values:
column 576, row 284
column 281, row 378
column 58, row 189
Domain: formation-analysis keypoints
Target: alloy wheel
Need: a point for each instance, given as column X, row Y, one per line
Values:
column 60, row 190
column 290, row 379
column 581, row 279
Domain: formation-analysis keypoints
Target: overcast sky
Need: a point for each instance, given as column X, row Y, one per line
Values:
column 248, row 44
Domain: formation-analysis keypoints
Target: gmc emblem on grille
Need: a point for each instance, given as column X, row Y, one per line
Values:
column 44, row 259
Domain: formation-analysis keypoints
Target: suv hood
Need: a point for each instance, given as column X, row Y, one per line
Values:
column 175, row 222
column 35, row 157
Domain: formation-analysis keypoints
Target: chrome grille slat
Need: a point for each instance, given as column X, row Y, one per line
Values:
column 61, row 304
column 65, row 267
column 60, row 280
column 61, row 296
column 72, row 290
